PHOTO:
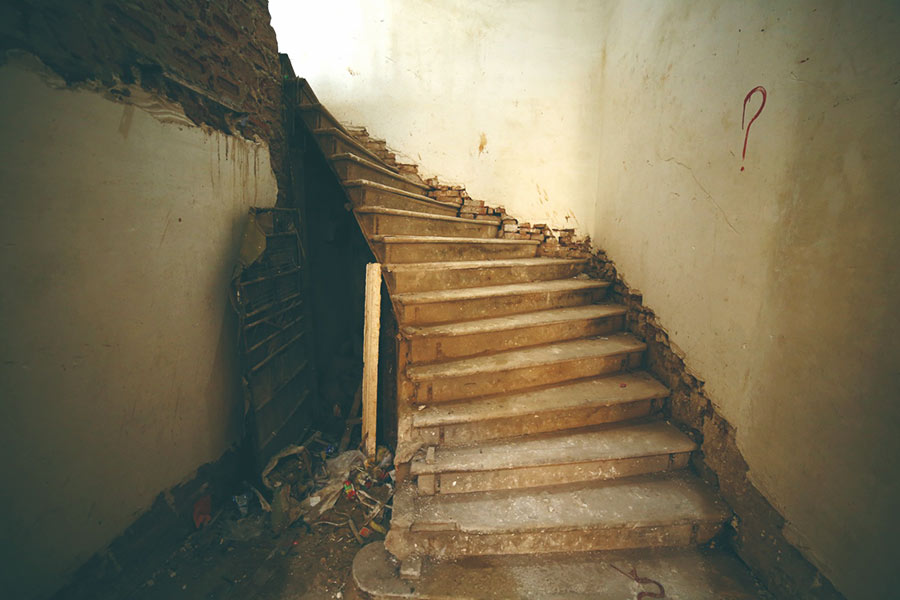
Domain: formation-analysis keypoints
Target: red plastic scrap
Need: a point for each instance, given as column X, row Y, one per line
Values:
column 202, row 511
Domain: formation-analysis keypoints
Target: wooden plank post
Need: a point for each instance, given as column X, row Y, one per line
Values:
column 370, row 357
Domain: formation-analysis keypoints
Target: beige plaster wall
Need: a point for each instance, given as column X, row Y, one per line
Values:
column 779, row 283
column 119, row 226
column 495, row 95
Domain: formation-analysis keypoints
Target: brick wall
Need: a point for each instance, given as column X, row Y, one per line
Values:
column 219, row 59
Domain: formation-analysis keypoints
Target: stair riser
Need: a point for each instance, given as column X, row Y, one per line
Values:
column 332, row 144
column 460, row 434
column 446, row 389
column 449, row 545
column 434, row 348
column 315, row 119
column 483, row 308
column 415, row 253
column 348, row 170
column 540, row 476
column 430, row 280
column 366, row 196
column 376, row 224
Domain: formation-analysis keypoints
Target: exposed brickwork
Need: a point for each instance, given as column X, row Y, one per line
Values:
column 219, row 60
column 757, row 532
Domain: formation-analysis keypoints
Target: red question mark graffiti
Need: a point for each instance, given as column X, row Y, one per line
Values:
column 761, row 90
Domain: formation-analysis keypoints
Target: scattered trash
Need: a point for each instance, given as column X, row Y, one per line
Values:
column 243, row 502
column 301, row 463
column 245, row 529
column 285, row 509
column 203, row 511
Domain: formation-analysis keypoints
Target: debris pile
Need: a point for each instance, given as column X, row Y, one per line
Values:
column 313, row 485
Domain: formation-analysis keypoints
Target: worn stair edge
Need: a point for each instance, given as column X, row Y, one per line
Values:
column 485, row 336
column 460, row 265
column 352, row 141
column 411, row 214
column 591, row 348
column 413, row 248
column 540, row 318
column 592, row 394
column 364, row 186
column 559, row 458
column 353, row 158
column 446, row 275
column 683, row 573
column 660, row 510
column 391, row 221
column 513, row 370
column 512, row 415
column 434, row 239
column 496, row 291
column 559, row 448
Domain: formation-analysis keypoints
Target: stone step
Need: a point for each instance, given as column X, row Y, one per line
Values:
column 466, row 304
column 591, row 402
column 379, row 220
column 648, row 511
column 484, row 336
column 316, row 116
column 422, row 248
column 363, row 192
column 430, row 276
column 335, row 141
column 572, row 456
column 349, row 167
column 681, row 573
column 523, row 369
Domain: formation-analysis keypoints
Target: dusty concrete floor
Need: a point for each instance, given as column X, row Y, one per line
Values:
column 297, row 564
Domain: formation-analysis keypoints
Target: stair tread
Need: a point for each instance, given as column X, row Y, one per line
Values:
column 695, row 573
column 586, row 348
column 669, row 498
column 531, row 319
column 373, row 165
column 334, row 131
column 510, row 289
column 481, row 264
column 438, row 239
column 597, row 392
column 564, row 447
column 412, row 214
column 350, row 183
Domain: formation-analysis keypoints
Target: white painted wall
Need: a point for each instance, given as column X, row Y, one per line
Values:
column 779, row 283
column 119, row 231
column 433, row 77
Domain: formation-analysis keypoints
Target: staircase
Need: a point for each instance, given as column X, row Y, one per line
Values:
column 526, row 424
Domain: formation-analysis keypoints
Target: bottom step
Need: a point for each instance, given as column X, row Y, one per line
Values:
column 684, row 574
column 662, row 510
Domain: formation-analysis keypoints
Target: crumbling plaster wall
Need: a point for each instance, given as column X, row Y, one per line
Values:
column 495, row 95
column 120, row 225
column 135, row 135
column 779, row 283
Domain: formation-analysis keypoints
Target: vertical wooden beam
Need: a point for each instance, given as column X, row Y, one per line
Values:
column 370, row 356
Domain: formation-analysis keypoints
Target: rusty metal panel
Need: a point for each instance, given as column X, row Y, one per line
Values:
column 269, row 294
